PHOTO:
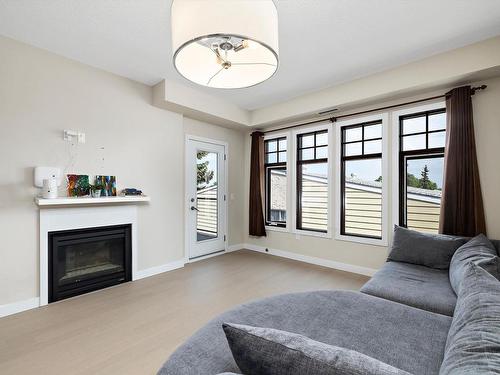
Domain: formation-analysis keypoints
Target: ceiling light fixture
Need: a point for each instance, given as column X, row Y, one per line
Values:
column 225, row 44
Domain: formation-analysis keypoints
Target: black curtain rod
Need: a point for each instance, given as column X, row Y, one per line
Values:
column 335, row 118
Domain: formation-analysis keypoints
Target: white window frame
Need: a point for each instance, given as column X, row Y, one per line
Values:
column 395, row 150
column 293, row 179
column 289, row 213
column 384, row 118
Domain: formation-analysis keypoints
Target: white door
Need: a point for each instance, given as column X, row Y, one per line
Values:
column 205, row 197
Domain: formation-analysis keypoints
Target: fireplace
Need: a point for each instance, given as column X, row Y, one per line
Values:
column 84, row 260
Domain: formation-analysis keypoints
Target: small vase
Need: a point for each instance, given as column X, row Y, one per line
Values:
column 96, row 194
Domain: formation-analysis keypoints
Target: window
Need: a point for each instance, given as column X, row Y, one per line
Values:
column 422, row 139
column 312, row 181
column 361, row 180
column 276, row 181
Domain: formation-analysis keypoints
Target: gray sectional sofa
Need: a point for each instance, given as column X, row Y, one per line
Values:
column 401, row 317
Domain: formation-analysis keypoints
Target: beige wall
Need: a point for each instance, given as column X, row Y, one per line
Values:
column 487, row 128
column 487, row 131
column 40, row 95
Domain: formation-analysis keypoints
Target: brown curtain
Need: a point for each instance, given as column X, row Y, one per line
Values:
column 462, row 211
column 256, row 212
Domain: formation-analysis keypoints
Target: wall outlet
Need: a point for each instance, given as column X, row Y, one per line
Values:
column 297, row 236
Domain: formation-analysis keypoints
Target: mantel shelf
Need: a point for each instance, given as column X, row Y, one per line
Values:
column 88, row 201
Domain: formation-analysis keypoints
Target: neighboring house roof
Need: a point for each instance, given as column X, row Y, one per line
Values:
column 279, row 191
column 425, row 195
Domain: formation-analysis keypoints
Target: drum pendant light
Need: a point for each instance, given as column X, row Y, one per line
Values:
column 225, row 44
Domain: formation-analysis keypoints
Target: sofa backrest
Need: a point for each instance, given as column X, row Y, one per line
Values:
column 497, row 245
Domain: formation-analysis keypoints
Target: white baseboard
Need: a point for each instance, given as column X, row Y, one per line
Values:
column 17, row 307
column 141, row 274
column 236, row 247
column 313, row 260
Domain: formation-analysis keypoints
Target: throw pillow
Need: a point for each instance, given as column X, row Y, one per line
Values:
column 266, row 351
column 431, row 250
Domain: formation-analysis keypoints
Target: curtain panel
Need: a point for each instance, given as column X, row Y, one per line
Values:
column 256, row 221
column 462, row 211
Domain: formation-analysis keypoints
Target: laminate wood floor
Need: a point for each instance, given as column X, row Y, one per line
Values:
column 132, row 328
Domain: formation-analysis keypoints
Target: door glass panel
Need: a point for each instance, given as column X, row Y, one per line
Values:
column 206, row 195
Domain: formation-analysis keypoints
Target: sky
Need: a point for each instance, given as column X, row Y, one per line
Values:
column 435, row 166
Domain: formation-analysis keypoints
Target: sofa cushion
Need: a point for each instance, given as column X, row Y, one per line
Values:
column 492, row 266
column 418, row 286
column 390, row 332
column 473, row 344
column 267, row 351
column 431, row 250
column 477, row 249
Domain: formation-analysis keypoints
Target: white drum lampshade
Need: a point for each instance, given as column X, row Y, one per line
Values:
column 225, row 43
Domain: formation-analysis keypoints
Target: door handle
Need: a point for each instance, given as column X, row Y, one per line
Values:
column 193, row 208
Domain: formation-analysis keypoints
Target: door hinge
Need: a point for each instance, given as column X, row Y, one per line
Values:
column 225, row 157
column 224, row 197
column 224, row 238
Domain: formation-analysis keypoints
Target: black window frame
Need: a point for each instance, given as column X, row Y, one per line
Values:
column 299, row 163
column 268, row 168
column 363, row 156
column 424, row 153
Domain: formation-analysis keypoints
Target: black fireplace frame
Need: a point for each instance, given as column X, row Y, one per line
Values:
column 57, row 293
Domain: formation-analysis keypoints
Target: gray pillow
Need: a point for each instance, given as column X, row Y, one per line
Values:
column 476, row 250
column 473, row 343
column 266, row 351
column 431, row 250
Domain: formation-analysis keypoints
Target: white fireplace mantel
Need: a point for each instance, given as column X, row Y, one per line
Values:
column 87, row 201
column 60, row 215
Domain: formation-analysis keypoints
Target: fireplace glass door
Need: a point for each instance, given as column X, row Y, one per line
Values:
column 88, row 259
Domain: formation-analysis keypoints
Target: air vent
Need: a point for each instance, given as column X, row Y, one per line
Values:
column 327, row 111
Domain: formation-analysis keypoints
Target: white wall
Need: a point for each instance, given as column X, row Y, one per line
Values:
column 40, row 95
column 487, row 130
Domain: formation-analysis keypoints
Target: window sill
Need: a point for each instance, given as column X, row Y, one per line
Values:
column 273, row 228
column 363, row 240
column 310, row 233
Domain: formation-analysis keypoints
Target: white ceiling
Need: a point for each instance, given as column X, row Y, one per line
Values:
column 322, row 42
